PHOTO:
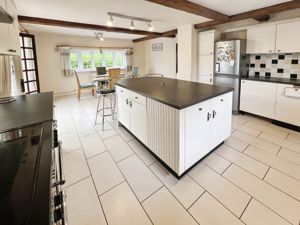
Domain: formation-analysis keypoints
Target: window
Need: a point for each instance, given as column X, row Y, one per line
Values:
column 88, row 60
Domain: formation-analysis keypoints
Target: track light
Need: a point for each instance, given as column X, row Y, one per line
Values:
column 150, row 27
column 132, row 27
column 110, row 21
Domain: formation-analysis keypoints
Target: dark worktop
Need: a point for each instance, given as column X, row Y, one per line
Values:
column 273, row 80
column 26, row 110
column 175, row 93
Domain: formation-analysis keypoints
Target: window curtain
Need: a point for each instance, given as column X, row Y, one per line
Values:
column 5, row 76
column 65, row 61
column 128, row 59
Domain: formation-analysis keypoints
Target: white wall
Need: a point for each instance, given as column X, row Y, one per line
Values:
column 164, row 61
column 49, row 64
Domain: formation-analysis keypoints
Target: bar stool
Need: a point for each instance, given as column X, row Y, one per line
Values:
column 103, row 93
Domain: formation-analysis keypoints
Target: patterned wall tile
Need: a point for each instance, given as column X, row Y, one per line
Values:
column 275, row 65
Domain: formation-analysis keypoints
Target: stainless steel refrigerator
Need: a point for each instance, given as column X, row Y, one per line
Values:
column 231, row 63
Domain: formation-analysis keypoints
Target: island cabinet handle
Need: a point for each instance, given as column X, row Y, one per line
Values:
column 214, row 114
column 208, row 116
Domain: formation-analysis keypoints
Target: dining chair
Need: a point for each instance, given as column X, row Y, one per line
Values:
column 83, row 86
column 114, row 75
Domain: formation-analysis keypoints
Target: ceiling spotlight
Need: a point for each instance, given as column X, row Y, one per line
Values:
column 132, row 27
column 150, row 27
column 110, row 21
column 99, row 36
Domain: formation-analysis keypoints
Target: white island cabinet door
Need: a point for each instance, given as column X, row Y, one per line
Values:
column 221, row 116
column 123, row 110
column 138, row 121
column 197, row 132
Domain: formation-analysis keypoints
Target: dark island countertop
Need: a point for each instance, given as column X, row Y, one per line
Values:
column 273, row 80
column 26, row 110
column 175, row 93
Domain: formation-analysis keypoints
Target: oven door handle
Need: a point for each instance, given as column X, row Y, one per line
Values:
column 61, row 180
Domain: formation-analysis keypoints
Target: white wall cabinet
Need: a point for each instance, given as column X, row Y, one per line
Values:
column 9, row 36
column 206, row 49
column 261, row 39
column 288, row 104
column 132, row 112
column 258, row 98
column 207, row 124
column 287, row 38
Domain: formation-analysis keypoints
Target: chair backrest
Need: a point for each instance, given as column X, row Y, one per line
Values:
column 101, row 70
column 135, row 70
column 77, row 78
column 114, row 75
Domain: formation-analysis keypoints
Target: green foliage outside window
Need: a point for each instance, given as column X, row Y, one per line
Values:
column 74, row 60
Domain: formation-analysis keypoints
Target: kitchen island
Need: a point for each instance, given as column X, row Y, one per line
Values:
column 179, row 122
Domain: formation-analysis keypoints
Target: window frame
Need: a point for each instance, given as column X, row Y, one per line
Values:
column 103, row 59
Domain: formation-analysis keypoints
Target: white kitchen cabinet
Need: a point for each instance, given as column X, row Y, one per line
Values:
column 261, row 39
column 4, row 37
column 132, row 112
column 287, row 38
column 221, row 117
column 207, row 125
column 197, row 133
column 138, row 120
column 14, row 37
column 123, row 110
column 258, row 98
column 206, row 42
column 288, row 104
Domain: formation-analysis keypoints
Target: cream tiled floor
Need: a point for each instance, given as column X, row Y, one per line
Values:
column 253, row 179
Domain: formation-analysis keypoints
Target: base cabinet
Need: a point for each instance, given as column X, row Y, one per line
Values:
column 206, row 126
column 288, row 104
column 258, row 98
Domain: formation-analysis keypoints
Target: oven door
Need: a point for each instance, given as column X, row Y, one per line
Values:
column 59, row 197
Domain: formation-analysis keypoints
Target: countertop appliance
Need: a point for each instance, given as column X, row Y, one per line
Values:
column 231, row 63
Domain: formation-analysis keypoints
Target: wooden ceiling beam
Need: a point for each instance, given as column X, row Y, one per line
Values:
column 169, row 34
column 257, row 14
column 193, row 8
column 68, row 24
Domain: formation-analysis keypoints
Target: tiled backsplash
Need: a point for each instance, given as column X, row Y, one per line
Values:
column 275, row 65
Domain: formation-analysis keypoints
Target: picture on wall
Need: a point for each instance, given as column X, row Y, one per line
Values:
column 157, row 47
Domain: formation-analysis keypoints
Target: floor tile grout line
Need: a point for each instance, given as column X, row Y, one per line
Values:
column 216, row 198
column 128, row 183
column 94, row 184
column 255, row 197
column 240, row 218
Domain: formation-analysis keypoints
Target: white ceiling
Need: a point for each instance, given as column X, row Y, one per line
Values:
column 95, row 12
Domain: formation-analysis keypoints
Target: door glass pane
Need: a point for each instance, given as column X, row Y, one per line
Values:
column 32, row 86
column 29, row 53
column 109, row 59
column 74, row 60
column 98, row 59
column 86, row 60
column 30, row 64
column 31, row 75
column 27, row 42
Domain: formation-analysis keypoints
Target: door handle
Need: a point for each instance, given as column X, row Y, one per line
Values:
column 208, row 116
column 214, row 114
